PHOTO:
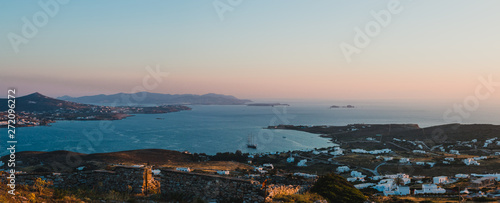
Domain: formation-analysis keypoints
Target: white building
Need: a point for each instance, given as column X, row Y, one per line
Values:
column 378, row 151
column 420, row 163
column 399, row 175
column 337, row 151
column 430, row 189
column 260, row 170
column 403, row 177
column 305, row 175
column 489, row 141
column 183, row 169
column 404, row 160
column 385, row 185
column 440, row 179
column 268, row 166
column 357, row 174
column 471, row 161
column 454, row 152
column 342, row 169
column 223, row 172
column 480, row 158
column 360, row 151
column 449, row 159
column 406, row 181
column 419, row 151
column 156, row 172
column 302, row 162
column 400, row 190
column 497, row 175
column 290, row 159
column 461, row 175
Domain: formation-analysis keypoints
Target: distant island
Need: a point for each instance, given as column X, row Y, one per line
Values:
column 148, row 98
column 347, row 107
column 37, row 109
column 268, row 104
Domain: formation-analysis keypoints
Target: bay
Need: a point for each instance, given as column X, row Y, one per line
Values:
column 223, row 128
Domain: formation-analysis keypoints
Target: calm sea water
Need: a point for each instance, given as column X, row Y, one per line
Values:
column 212, row 129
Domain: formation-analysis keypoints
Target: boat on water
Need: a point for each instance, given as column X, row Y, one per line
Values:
column 251, row 144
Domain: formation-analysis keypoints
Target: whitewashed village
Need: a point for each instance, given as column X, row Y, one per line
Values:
column 407, row 167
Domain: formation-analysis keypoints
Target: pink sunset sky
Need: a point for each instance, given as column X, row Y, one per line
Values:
column 430, row 51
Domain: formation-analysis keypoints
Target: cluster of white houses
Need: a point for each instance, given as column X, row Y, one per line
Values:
column 397, row 184
column 377, row 151
column 448, row 160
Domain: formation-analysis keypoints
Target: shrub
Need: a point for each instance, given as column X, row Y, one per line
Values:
column 336, row 189
column 299, row 198
column 483, row 199
column 40, row 185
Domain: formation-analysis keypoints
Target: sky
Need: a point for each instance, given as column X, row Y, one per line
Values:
column 421, row 50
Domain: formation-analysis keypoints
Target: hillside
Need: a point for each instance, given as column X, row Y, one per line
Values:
column 157, row 99
column 57, row 161
column 448, row 133
column 42, row 103
column 153, row 156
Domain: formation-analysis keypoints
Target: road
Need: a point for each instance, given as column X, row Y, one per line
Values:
column 375, row 171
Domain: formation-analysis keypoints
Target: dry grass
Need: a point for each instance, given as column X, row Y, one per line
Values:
column 361, row 160
column 487, row 166
column 415, row 199
column 209, row 165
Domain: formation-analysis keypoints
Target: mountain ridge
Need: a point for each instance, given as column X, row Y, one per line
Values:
column 148, row 98
column 40, row 102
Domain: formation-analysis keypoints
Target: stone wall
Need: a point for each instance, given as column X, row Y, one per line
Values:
column 122, row 179
column 210, row 187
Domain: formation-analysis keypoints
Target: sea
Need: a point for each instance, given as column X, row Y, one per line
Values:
column 226, row 128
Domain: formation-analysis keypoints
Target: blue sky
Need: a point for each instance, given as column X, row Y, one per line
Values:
column 431, row 50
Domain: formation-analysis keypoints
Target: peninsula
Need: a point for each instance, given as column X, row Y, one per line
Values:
column 37, row 109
